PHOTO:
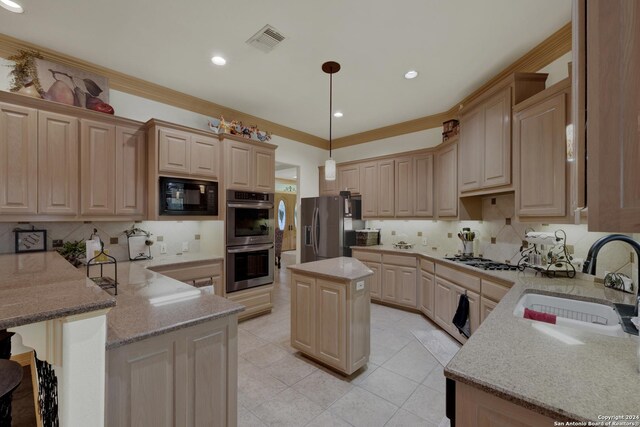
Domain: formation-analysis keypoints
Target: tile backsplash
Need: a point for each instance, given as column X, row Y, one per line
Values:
column 171, row 233
column 500, row 236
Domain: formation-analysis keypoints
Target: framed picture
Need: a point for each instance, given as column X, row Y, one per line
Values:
column 31, row 240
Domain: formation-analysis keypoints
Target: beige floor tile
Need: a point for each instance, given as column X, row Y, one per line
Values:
column 404, row 418
column 426, row 403
column 289, row 408
column 362, row 373
column 328, row 419
column 247, row 419
column 266, row 355
column 435, row 379
column 362, row 408
column 380, row 353
column 248, row 342
column 445, row 422
column 255, row 386
column 290, row 369
column 390, row 386
column 439, row 343
column 323, row 388
column 413, row 362
column 390, row 338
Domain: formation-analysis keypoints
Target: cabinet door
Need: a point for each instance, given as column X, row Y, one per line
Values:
column 98, row 168
column 376, row 280
column 130, row 171
column 386, row 188
column 423, row 203
column 426, row 294
column 327, row 188
column 174, row 151
column 264, row 168
column 540, row 151
column 472, row 135
column 389, row 283
column 486, row 306
column 613, row 107
column 442, row 304
column 18, row 159
column 57, row 164
column 497, row 140
column 407, row 287
column 474, row 310
column 331, row 323
column 205, row 157
column 446, row 181
column 238, row 165
column 349, row 178
column 303, row 313
column 369, row 189
column 404, row 181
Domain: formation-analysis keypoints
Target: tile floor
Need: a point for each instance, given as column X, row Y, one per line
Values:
column 403, row 384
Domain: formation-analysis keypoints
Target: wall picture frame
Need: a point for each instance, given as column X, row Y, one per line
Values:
column 30, row 240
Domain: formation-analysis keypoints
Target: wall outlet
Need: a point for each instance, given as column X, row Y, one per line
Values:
column 185, row 246
column 419, row 233
column 424, row 241
column 393, row 232
column 57, row 243
column 163, row 247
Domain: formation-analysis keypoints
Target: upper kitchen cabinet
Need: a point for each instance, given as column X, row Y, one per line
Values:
column 18, row 159
column 423, row 185
column 131, row 154
column 98, row 168
column 349, row 178
column 404, row 186
column 250, row 166
column 485, row 134
column 543, row 162
column 447, row 181
column 174, row 151
column 188, row 153
column 386, row 188
column 327, row 188
column 369, row 187
column 613, row 106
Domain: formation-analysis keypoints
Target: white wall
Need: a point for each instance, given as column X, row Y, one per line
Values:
column 557, row 70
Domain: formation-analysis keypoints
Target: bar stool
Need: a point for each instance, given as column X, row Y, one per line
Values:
column 10, row 378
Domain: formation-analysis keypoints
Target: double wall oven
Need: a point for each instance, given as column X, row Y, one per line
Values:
column 250, row 239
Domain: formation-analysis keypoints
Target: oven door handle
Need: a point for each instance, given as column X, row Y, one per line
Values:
column 249, row 248
column 259, row 205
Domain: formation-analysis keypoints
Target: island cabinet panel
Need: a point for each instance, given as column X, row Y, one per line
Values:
column 331, row 328
column 205, row 157
column 447, row 181
column 58, row 156
column 404, row 183
column 303, row 313
column 423, row 200
column 174, row 152
column 327, row 188
column 349, row 178
column 130, row 171
column 98, row 168
column 426, row 293
column 369, row 189
column 386, row 188
column 18, row 159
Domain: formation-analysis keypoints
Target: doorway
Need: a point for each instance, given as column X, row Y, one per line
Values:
column 286, row 204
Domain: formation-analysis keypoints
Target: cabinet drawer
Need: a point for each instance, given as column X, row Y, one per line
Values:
column 427, row 266
column 403, row 260
column 367, row 256
column 493, row 291
column 255, row 300
column 458, row 277
column 191, row 272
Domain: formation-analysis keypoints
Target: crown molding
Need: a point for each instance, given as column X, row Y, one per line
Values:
column 540, row 56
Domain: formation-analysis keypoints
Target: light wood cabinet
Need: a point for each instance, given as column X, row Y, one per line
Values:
column 187, row 377
column 58, row 156
column 471, row 149
column 130, row 171
column 407, row 287
column 474, row 310
column 497, row 140
column 427, row 294
column 195, row 272
column 369, row 187
column 423, row 200
column 486, row 306
column 442, row 314
column 174, row 151
column 257, row 300
column 613, row 107
column 404, row 187
column 264, row 168
column 540, row 153
column 249, row 167
column 389, row 283
column 327, row 188
column 399, row 280
column 386, row 188
column 97, row 168
column 349, row 178
column 18, row 159
column 447, row 181
column 376, row 280
column 330, row 320
column 205, row 157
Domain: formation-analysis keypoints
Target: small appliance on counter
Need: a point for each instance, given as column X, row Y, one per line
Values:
column 546, row 252
column 368, row 237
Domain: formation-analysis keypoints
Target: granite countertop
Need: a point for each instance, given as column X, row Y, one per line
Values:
column 149, row 303
column 184, row 258
column 35, row 287
column 344, row 269
column 519, row 362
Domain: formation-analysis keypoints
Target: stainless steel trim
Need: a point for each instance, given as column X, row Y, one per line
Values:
column 251, row 205
column 316, row 218
column 248, row 248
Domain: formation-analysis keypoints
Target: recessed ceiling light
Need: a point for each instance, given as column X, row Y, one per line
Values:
column 218, row 60
column 11, row 6
column 338, row 114
column 411, row 74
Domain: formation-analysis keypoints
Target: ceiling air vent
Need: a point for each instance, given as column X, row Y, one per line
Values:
column 266, row 39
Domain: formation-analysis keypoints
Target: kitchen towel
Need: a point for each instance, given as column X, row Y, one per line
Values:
column 539, row 316
column 461, row 318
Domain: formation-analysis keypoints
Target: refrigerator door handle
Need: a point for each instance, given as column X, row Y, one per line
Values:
column 316, row 218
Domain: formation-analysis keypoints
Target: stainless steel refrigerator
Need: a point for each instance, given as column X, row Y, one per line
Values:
column 329, row 225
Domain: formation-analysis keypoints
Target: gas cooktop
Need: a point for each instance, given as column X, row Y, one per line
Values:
column 482, row 263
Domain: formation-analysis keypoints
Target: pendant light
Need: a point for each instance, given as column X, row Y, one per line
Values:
column 330, row 68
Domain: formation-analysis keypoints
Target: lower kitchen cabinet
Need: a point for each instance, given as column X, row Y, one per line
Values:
column 375, row 289
column 399, row 282
column 486, row 307
column 187, row 377
column 427, row 293
column 442, row 304
column 447, row 296
column 196, row 273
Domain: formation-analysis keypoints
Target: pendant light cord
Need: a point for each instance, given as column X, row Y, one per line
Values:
column 330, row 109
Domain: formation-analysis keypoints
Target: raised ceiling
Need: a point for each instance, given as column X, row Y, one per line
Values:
column 456, row 45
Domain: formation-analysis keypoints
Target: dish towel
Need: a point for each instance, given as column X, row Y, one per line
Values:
column 461, row 318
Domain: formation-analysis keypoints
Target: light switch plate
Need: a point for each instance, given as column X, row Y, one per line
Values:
column 163, row 248
column 424, row 241
column 185, row 246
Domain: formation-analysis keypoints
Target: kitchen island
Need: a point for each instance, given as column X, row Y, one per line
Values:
column 330, row 312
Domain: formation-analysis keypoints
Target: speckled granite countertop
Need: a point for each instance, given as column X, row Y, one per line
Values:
column 344, row 269
column 185, row 258
column 150, row 304
column 512, row 359
column 41, row 286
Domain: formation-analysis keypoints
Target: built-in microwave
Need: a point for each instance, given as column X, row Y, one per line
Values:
column 188, row 197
